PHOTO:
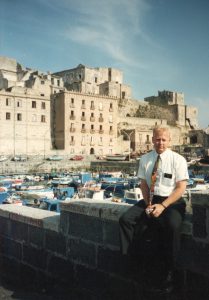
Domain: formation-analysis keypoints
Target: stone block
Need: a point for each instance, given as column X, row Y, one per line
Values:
column 110, row 260
column 4, row 226
column 111, row 233
column 85, row 227
column 35, row 257
column 19, row 231
column 11, row 248
column 82, row 252
column 64, row 222
column 61, row 269
column 91, row 279
column 55, row 242
column 36, row 236
column 199, row 221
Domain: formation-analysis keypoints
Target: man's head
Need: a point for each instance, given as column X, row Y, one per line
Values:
column 161, row 139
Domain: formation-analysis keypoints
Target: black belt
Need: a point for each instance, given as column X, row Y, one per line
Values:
column 159, row 199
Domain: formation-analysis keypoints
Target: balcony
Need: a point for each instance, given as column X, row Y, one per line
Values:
column 83, row 118
column 92, row 107
column 110, row 109
column 72, row 117
column 101, row 131
column 101, row 119
column 72, row 143
column 111, row 132
column 72, row 129
column 92, row 119
column 83, row 106
column 72, row 105
column 92, row 131
column 83, row 130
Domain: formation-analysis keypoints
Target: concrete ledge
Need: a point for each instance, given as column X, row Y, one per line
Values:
column 32, row 216
column 101, row 209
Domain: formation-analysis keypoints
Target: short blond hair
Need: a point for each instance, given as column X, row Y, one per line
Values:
column 161, row 128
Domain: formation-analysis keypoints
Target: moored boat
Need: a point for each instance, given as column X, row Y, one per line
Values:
column 132, row 196
column 116, row 157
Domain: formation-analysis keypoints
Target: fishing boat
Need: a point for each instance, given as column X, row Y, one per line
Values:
column 132, row 196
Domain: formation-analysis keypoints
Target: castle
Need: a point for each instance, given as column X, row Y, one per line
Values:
column 83, row 111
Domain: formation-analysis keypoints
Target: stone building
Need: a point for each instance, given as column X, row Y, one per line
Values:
column 25, row 109
column 83, row 111
column 85, row 124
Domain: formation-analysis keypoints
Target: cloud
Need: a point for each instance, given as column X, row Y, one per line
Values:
column 110, row 26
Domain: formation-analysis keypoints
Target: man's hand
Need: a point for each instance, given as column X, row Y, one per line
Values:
column 155, row 210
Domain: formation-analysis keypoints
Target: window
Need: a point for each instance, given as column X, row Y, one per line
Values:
column 52, row 80
column 83, row 104
column 42, row 95
column 72, row 100
column 8, row 102
column 43, row 118
column 100, row 127
column 83, row 126
column 19, row 117
column 92, row 105
column 95, row 79
column 19, row 103
column 42, row 82
column 92, row 127
column 8, row 115
column 33, row 104
column 92, row 115
column 83, row 114
column 72, row 113
column 58, row 82
column 43, row 105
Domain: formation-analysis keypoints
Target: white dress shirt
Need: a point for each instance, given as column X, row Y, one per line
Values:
column 172, row 168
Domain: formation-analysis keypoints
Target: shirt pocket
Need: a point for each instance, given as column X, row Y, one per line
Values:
column 168, row 179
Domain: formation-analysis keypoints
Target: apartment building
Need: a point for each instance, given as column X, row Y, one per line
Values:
column 85, row 124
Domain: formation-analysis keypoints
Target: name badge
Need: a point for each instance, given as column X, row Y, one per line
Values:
column 166, row 175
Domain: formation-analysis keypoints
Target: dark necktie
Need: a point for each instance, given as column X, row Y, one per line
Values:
column 154, row 177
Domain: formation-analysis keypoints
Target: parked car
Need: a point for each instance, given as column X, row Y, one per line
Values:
column 19, row 158
column 77, row 157
column 54, row 157
column 3, row 158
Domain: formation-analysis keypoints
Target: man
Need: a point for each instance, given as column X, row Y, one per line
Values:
column 163, row 175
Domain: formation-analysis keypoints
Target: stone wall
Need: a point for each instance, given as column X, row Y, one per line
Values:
column 79, row 250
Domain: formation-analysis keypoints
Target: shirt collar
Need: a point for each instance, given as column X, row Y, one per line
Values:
column 162, row 155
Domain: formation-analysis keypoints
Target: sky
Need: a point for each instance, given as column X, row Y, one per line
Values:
column 157, row 44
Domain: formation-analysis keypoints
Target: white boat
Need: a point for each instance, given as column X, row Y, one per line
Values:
column 132, row 196
column 116, row 157
column 92, row 192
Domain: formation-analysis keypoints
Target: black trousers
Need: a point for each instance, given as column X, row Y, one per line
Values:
column 135, row 221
